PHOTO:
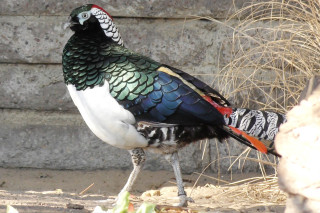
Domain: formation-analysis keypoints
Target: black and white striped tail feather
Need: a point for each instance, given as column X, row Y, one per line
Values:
column 263, row 125
column 167, row 138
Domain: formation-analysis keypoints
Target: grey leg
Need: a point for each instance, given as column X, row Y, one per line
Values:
column 138, row 158
column 174, row 160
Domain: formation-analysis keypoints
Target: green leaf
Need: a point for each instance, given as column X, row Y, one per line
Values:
column 122, row 204
column 10, row 209
column 146, row 208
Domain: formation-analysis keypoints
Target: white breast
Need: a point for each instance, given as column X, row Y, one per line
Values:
column 106, row 118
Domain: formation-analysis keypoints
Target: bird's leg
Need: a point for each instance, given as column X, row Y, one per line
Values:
column 138, row 158
column 174, row 160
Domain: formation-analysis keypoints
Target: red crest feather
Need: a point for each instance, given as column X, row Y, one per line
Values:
column 96, row 6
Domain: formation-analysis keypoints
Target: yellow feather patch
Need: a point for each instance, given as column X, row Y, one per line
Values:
column 224, row 110
column 170, row 72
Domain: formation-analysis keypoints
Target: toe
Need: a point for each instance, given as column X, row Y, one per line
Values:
column 184, row 200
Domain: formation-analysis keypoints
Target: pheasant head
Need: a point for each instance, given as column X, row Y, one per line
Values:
column 91, row 18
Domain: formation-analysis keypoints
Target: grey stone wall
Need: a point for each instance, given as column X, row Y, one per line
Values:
column 40, row 126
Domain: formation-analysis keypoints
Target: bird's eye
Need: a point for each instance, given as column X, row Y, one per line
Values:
column 85, row 15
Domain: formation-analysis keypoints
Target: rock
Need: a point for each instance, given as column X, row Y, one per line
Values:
column 298, row 142
column 151, row 193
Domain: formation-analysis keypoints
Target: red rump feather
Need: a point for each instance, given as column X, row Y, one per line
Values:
column 227, row 111
column 255, row 142
column 100, row 8
column 223, row 110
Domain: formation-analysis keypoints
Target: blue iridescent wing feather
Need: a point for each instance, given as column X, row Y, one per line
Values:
column 172, row 101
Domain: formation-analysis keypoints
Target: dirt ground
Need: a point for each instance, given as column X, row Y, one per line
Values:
column 39, row 190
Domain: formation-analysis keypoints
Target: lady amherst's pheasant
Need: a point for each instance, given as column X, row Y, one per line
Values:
column 133, row 102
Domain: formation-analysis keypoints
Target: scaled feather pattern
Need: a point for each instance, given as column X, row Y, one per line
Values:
column 133, row 102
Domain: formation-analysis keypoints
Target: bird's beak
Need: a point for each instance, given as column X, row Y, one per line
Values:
column 68, row 24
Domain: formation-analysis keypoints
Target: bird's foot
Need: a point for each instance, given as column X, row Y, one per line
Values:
column 184, row 199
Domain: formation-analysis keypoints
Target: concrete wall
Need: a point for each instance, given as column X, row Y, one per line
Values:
column 40, row 126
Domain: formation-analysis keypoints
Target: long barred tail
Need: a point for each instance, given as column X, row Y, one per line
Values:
column 263, row 125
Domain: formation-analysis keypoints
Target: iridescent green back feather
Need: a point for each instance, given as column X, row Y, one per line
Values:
column 88, row 62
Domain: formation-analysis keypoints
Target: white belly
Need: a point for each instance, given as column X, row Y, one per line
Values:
column 106, row 118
